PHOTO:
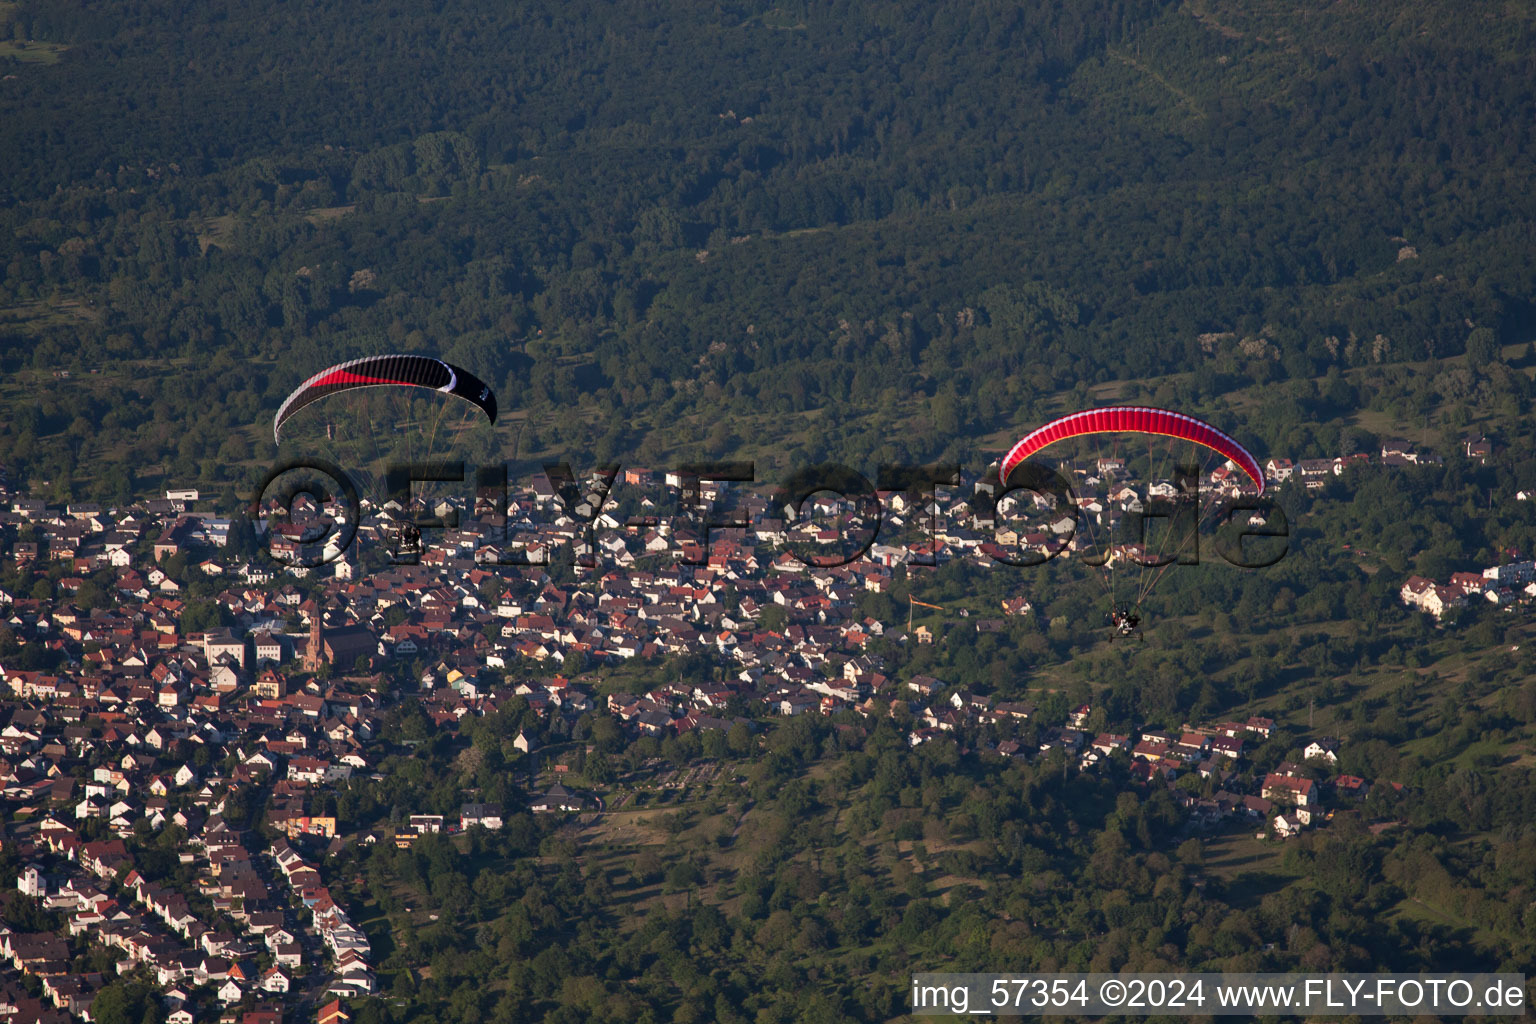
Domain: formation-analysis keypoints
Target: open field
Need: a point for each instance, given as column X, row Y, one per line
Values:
column 31, row 51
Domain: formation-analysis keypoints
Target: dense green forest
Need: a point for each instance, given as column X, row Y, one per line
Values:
column 872, row 233
column 859, row 233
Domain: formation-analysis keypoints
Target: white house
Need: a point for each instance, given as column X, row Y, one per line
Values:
column 1288, row 824
column 1430, row 597
column 31, row 882
column 1513, row 574
column 1325, row 748
column 484, row 815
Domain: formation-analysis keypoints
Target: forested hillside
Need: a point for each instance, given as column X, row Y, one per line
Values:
column 918, row 219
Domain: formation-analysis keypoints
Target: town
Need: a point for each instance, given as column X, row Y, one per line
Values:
column 159, row 671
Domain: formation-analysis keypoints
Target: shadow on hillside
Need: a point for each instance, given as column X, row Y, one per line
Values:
column 1249, row 887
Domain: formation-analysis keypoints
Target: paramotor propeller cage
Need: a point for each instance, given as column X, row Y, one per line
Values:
column 1125, row 624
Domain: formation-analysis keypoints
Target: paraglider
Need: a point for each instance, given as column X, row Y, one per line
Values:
column 1134, row 419
column 387, row 371
column 1175, row 452
column 402, row 425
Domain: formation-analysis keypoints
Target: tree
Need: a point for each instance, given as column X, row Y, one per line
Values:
column 1482, row 347
column 773, row 617
column 598, row 769
column 647, row 867
column 128, row 1000
column 683, row 875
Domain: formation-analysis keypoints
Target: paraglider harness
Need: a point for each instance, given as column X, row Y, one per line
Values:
column 1126, row 622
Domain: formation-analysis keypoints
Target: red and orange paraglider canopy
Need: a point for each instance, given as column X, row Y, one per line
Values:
column 1138, row 419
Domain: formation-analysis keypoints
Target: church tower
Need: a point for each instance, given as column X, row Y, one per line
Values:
column 314, row 654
